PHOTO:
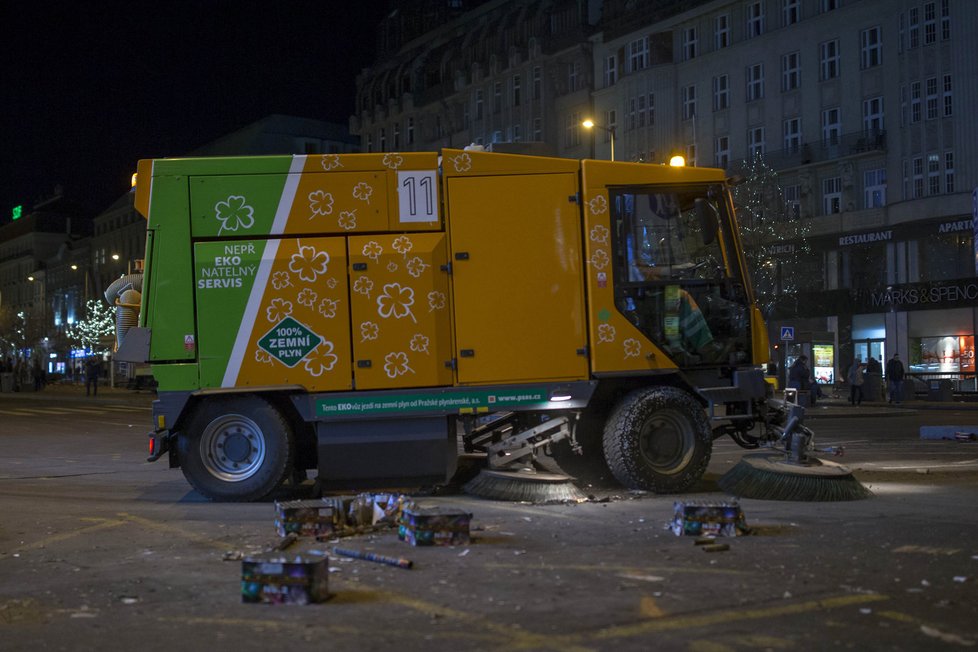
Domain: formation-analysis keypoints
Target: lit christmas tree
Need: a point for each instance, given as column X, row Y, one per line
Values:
column 93, row 330
column 774, row 236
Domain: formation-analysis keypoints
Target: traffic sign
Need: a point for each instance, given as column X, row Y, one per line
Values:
column 787, row 333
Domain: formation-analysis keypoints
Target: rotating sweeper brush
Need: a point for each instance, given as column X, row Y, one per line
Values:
column 794, row 474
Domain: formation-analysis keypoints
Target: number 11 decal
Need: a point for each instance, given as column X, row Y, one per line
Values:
column 417, row 195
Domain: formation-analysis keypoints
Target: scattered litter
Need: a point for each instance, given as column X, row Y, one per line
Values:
column 716, row 519
column 281, row 579
column 463, row 553
column 924, row 583
column 284, row 543
column 865, row 611
column 716, row 547
column 703, row 541
column 787, row 595
column 316, row 518
column 923, row 471
column 399, row 562
column 126, row 599
column 233, row 555
column 438, row 526
column 642, row 578
column 966, row 436
column 960, row 579
column 943, row 636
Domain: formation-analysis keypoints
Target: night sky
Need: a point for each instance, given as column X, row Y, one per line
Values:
column 89, row 88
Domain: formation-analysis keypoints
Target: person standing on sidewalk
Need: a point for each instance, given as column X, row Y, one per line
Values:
column 894, row 377
column 91, row 377
column 855, row 378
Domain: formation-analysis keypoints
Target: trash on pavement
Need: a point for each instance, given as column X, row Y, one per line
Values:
column 316, row 518
column 434, row 526
column 284, row 579
column 708, row 519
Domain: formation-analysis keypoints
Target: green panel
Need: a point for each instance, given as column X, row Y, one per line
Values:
column 147, row 283
column 222, row 165
column 224, row 273
column 176, row 377
column 235, row 205
column 170, row 309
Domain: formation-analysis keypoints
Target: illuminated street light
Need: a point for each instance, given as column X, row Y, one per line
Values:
column 590, row 124
column 74, row 267
column 115, row 256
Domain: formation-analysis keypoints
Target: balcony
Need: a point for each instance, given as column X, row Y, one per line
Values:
column 853, row 144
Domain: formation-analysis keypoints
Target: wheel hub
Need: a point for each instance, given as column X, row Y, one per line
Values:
column 666, row 442
column 232, row 448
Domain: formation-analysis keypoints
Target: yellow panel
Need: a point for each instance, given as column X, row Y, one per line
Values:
column 307, row 282
column 401, row 318
column 517, row 278
column 401, row 194
column 340, row 202
column 456, row 162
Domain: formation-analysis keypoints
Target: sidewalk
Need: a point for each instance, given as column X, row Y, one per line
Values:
column 840, row 408
column 76, row 393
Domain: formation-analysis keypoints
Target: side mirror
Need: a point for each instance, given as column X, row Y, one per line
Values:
column 707, row 216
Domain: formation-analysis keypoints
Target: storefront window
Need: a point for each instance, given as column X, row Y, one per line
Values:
column 864, row 266
column 944, row 354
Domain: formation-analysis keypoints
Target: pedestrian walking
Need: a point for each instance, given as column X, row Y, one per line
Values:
column 799, row 377
column 894, row 379
column 92, row 369
column 856, row 380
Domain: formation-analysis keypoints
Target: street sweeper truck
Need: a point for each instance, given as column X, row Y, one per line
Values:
column 375, row 316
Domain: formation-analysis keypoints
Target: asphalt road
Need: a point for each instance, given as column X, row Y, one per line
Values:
column 99, row 549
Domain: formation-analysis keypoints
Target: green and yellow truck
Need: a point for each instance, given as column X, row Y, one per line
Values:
column 360, row 314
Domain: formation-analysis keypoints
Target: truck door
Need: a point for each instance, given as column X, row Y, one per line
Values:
column 517, row 278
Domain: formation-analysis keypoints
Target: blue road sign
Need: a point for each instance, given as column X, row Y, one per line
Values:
column 787, row 333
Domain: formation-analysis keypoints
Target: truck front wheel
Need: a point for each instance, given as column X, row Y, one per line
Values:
column 658, row 439
column 236, row 448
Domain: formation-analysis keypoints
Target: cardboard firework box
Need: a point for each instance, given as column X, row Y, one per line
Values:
column 708, row 519
column 316, row 518
column 280, row 579
column 434, row 526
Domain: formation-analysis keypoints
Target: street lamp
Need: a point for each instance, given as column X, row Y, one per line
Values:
column 590, row 124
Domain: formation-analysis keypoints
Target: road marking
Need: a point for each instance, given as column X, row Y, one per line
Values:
column 644, row 570
column 733, row 615
column 648, row 608
column 101, row 524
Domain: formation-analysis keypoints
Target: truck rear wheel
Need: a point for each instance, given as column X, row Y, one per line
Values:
column 236, row 448
column 658, row 439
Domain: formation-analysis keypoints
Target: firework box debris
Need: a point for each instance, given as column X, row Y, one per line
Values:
column 316, row 518
column 284, row 579
column 434, row 526
column 708, row 519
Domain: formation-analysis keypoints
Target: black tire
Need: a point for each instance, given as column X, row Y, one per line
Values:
column 236, row 448
column 658, row 439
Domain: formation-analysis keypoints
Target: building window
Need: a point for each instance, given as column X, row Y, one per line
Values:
column 689, row 43
column 873, row 116
column 828, row 5
column 755, row 82
column 638, row 54
column 874, row 188
column 930, row 23
column 610, row 70
column 792, row 201
column 396, row 136
column 651, row 109
column 755, row 141
column 947, row 96
column 832, row 196
column 931, row 99
column 721, row 32
column 611, row 120
column 831, row 126
column 914, row 102
column 410, row 131
column 945, row 19
column 689, row 102
column 478, row 104
column 537, row 83
column 914, row 28
column 949, row 172
column 537, row 129
column 871, row 48
column 497, row 136
column 497, row 97
column 792, row 135
column 790, row 13
column 790, row 71
column 721, row 93
column 383, row 139
column 722, row 151
column 828, row 54
column 640, row 111
column 933, row 174
column 691, row 154
column 517, row 90
column 572, row 130
column 918, row 177
column 755, row 19
column 573, row 76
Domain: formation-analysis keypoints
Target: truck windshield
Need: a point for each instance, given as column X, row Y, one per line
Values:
column 671, row 281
